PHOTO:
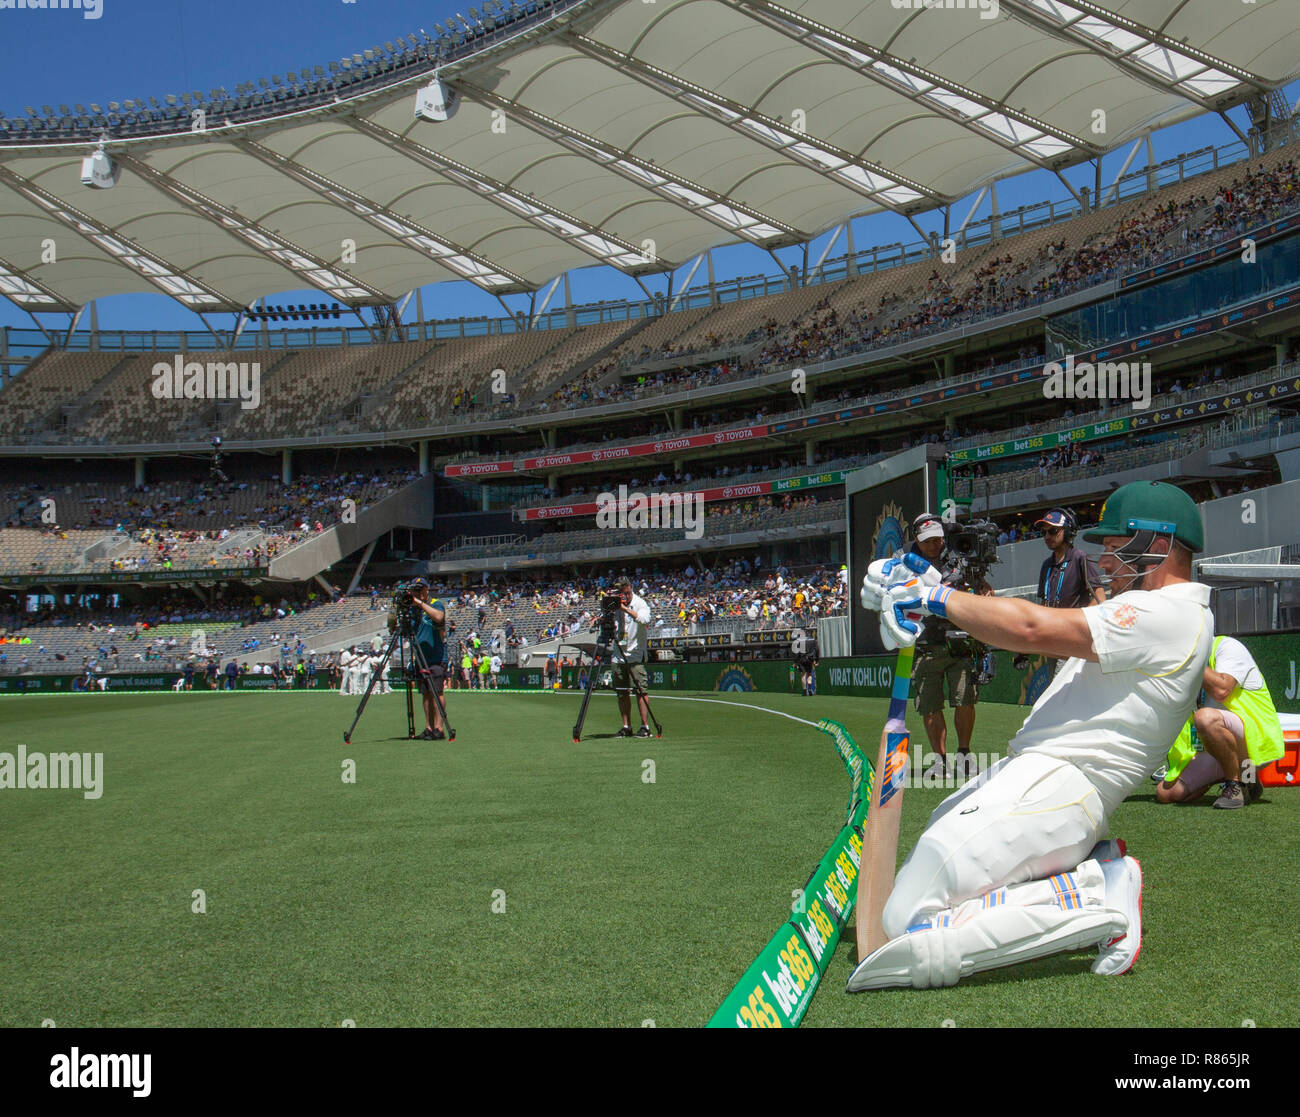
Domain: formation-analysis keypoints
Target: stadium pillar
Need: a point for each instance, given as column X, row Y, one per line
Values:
column 424, row 456
column 851, row 264
column 286, row 466
column 139, row 472
column 810, row 452
column 949, row 365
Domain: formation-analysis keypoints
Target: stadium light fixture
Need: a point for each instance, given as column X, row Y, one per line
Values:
column 436, row 102
column 98, row 170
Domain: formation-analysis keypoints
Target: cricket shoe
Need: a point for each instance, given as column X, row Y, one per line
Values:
column 626, row 731
column 948, row 948
column 644, row 731
column 1123, row 878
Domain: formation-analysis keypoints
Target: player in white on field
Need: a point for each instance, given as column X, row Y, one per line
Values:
column 1010, row 867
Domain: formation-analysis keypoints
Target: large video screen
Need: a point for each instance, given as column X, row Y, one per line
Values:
column 879, row 520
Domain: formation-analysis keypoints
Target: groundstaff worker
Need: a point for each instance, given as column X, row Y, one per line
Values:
column 1238, row 727
column 1010, row 867
column 430, row 638
column 941, row 657
column 632, row 613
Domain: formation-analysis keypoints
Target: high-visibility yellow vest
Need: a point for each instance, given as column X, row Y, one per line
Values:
column 1259, row 716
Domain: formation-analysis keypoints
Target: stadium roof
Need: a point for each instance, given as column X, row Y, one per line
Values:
column 633, row 133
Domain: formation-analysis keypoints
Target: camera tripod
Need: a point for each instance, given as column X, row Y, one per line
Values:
column 411, row 669
column 599, row 656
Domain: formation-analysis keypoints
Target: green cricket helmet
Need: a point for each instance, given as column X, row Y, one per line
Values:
column 1154, row 507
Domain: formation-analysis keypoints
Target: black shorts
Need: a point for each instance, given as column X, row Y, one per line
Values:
column 432, row 680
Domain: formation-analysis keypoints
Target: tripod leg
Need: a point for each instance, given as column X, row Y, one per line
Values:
column 410, row 701
column 586, row 695
column 347, row 737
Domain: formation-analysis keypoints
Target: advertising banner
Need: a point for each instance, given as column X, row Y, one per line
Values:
column 777, row 989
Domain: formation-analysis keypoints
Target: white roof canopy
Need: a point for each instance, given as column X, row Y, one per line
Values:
column 629, row 133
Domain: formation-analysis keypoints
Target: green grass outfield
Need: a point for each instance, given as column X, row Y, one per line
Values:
column 625, row 901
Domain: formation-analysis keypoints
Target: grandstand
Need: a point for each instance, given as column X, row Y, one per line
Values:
column 717, row 374
column 476, row 451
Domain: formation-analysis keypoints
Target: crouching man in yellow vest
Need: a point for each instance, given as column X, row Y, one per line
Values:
column 1237, row 726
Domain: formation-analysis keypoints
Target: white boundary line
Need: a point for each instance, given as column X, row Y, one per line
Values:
column 735, row 706
column 324, row 690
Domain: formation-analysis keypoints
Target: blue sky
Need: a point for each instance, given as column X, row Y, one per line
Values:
column 143, row 48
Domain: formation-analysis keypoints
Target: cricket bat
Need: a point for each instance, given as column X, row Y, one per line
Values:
column 880, row 831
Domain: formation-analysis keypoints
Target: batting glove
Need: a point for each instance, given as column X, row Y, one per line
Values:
column 905, row 606
column 884, row 573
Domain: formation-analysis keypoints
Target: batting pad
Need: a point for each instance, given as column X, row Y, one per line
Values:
column 1010, row 925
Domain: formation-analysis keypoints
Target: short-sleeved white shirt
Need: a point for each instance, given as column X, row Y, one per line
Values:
column 640, row 616
column 1233, row 659
column 1116, row 719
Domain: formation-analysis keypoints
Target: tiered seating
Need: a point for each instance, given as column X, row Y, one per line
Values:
column 384, row 387
column 128, row 411
column 23, row 551
column 303, row 389
column 34, row 401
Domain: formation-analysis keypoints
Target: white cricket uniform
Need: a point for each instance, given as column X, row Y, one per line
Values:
column 360, row 673
column 345, row 673
column 1093, row 737
column 384, row 687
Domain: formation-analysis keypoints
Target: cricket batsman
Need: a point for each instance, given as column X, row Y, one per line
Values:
column 1012, row 867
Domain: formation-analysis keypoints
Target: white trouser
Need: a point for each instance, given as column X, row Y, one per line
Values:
column 1025, row 818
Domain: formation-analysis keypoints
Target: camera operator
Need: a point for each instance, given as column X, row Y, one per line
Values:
column 1068, row 578
column 941, row 653
column 631, row 613
column 430, row 639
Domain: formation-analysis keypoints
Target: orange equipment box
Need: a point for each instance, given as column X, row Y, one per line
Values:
column 1285, row 772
